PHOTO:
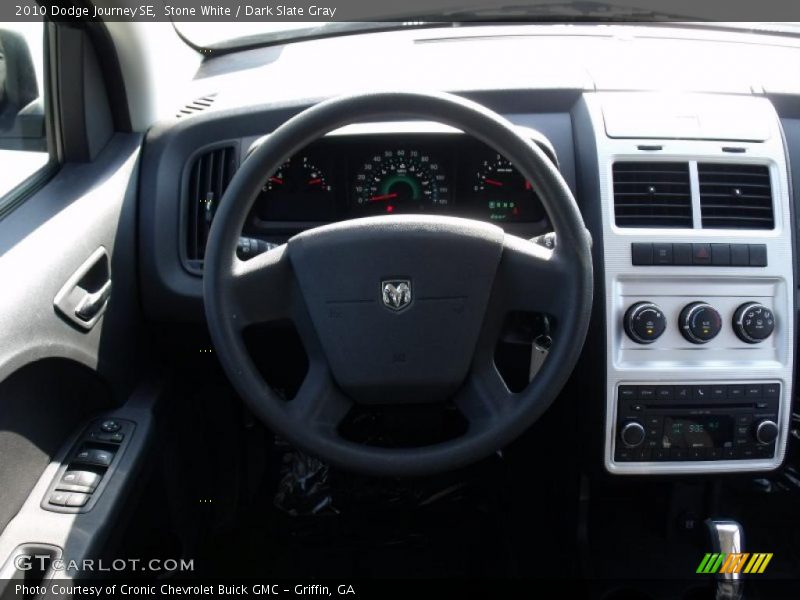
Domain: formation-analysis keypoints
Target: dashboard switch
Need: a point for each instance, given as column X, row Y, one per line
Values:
column 740, row 255
column 753, row 322
column 641, row 254
column 77, row 500
column 766, row 432
column 59, row 498
column 110, row 426
column 701, row 254
column 94, row 456
column 632, row 434
column 758, row 255
column 700, row 322
column 662, row 254
column 682, row 254
column 644, row 322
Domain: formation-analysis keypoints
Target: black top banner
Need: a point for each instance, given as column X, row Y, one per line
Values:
column 326, row 11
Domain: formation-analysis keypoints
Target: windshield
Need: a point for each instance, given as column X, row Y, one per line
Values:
column 272, row 26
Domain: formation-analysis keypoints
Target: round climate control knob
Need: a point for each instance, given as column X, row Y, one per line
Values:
column 644, row 322
column 632, row 434
column 700, row 322
column 753, row 322
column 766, row 432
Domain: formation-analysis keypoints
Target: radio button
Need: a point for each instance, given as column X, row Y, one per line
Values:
column 683, row 392
column 746, row 452
column 623, row 455
column 647, row 393
column 632, row 434
column 766, row 432
column 752, row 390
column 718, row 392
column 660, row 454
column 627, row 392
column 697, row 453
column 735, row 392
column 664, row 392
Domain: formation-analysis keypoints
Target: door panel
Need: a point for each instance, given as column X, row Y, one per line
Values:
column 54, row 373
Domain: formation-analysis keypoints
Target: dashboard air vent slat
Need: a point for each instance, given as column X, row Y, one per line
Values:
column 735, row 196
column 652, row 194
column 209, row 176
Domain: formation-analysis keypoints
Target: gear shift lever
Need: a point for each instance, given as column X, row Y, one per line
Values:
column 727, row 537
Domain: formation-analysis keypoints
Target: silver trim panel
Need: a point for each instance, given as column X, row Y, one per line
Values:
column 671, row 359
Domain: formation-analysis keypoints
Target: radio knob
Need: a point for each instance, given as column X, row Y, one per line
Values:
column 644, row 322
column 753, row 322
column 632, row 434
column 700, row 322
column 766, row 432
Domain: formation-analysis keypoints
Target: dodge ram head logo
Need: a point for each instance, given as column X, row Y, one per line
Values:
column 396, row 293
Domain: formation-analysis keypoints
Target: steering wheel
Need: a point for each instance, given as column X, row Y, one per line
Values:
column 399, row 308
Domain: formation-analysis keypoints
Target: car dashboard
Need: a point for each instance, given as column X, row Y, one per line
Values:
column 687, row 197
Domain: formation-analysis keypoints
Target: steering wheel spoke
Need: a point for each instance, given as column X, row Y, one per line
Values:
column 531, row 279
column 484, row 397
column 262, row 288
column 319, row 403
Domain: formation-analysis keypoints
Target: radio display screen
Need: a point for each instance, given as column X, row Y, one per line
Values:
column 697, row 431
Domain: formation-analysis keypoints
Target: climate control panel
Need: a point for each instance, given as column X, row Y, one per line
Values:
column 699, row 322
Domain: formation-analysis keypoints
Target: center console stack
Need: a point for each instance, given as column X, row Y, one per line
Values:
column 699, row 282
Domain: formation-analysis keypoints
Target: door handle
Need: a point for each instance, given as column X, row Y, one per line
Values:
column 93, row 303
column 84, row 297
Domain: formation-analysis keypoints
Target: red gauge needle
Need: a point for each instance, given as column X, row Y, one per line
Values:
column 493, row 182
column 276, row 180
column 383, row 197
column 316, row 181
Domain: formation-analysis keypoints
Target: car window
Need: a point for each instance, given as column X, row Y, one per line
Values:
column 23, row 139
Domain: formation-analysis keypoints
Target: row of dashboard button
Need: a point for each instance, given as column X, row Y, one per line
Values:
column 743, row 391
column 715, row 255
column 684, row 454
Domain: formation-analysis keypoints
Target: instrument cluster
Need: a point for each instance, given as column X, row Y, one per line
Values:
column 344, row 177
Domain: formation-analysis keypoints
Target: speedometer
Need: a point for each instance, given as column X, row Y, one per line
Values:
column 401, row 181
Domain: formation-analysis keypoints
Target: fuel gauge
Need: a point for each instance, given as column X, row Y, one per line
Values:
column 504, row 194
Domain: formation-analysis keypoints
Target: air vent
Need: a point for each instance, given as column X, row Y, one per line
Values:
column 197, row 105
column 735, row 196
column 209, row 176
column 652, row 194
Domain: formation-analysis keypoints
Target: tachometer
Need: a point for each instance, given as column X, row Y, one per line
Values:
column 401, row 181
column 504, row 194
